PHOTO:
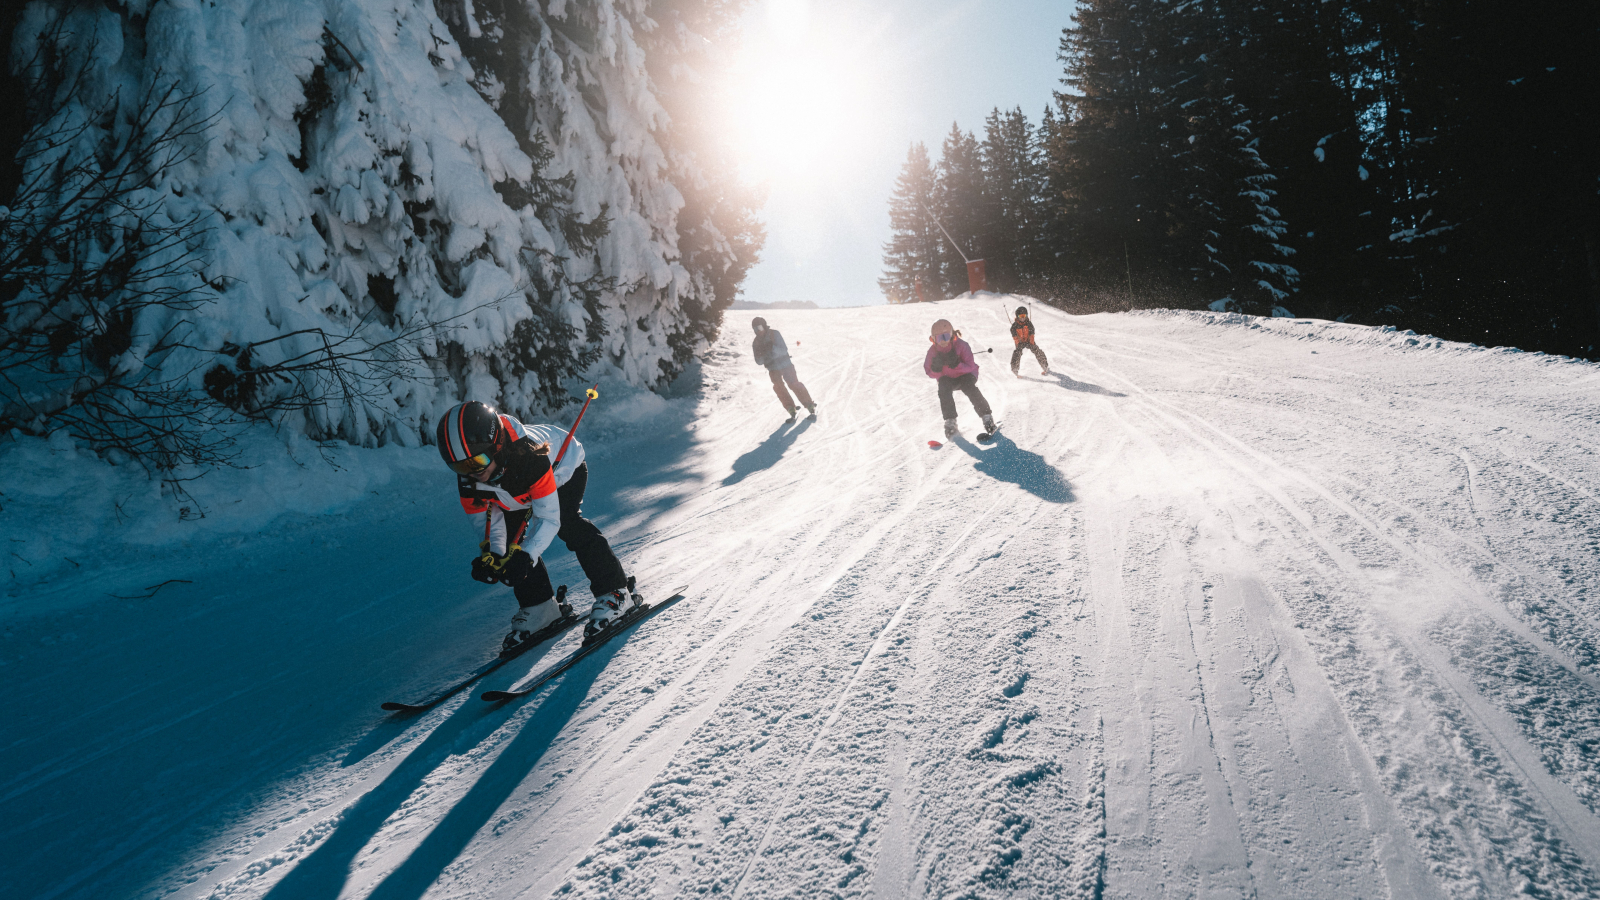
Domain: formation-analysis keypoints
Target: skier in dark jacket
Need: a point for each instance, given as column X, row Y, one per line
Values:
column 950, row 361
column 503, row 470
column 769, row 350
column 1022, row 336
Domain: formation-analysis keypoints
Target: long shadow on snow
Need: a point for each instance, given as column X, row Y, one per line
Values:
column 399, row 723
column 767, row 453
column 323, row 873
column 1005, row 461
column 450, row 836
column 1082, row 387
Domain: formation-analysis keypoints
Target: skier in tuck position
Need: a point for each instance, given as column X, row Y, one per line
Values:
column 769, row 351
column 1022, row 336
column 503, row 470
column 950, row 361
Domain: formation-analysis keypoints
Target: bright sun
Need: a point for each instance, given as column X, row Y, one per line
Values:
column 795, row 104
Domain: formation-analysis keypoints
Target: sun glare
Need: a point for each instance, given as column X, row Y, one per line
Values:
column 795, row 100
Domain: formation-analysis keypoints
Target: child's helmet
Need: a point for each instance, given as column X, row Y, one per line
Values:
column 470, row 435
column 1022, row 311
column 758, row 323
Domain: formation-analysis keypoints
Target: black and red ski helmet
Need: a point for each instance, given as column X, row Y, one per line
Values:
column 470, row 434
column 1022, row 310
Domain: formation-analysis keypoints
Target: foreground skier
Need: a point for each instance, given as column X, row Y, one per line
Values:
column 504, row 470
column 1022, row 336
column 950, row 361
column 769, row 350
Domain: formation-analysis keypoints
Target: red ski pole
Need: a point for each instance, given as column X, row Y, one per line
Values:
column 590, row 394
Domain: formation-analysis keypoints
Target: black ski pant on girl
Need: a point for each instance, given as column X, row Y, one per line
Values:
column 966, row 384
column 581, row 536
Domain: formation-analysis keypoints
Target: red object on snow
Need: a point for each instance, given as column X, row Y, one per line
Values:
column 935, row 444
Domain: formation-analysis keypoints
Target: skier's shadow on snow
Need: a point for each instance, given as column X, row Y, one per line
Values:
column 323, row 873
column 767, row 454
column 1082, row 387
column 1005, row 461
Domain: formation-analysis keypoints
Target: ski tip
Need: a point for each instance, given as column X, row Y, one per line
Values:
column 494, row 696
column 392, row 706
column 935, row 445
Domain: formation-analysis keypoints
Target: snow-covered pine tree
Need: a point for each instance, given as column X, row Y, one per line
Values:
column 1115, row 151
column 1231, row 233
column 964, row 207
column 479, row 223
column 1013, row 180
column 1288, row 65
column 719, row 236
column 912, row 257
column 1053, row 280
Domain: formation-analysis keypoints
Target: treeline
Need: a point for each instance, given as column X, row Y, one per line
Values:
column 1427, row 165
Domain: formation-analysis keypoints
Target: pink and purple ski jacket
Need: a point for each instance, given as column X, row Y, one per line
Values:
column 952, row 362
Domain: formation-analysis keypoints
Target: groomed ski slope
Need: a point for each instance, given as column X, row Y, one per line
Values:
column 1232, row 608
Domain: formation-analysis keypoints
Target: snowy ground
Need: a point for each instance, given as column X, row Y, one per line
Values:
column 1234, row 607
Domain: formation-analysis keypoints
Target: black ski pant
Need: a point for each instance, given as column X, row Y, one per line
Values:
column 787, row 373
column 581, row 536
column 1016, row 356
column 966, row 384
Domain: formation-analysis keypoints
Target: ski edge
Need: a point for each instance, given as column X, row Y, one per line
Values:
column 553, row 630
column 642, row 613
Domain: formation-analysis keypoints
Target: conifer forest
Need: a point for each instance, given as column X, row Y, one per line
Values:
column 1426, row 165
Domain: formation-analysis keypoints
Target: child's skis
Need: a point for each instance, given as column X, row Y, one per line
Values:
column 590, row 644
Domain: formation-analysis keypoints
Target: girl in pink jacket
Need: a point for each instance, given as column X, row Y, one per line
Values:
column 950, row 361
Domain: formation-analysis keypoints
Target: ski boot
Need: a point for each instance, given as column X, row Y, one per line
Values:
column 608, row 608
column 989, row 426
column 792, row 412
column 525, row 622
column 528, row 620
column 811, row 410
column 950, row 429
column 1045, row 371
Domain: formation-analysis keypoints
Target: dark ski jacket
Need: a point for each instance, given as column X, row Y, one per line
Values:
column 770, row 350
column 1022, row 332
column 523, row 491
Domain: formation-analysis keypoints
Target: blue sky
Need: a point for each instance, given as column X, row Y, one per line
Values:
column 831, row 95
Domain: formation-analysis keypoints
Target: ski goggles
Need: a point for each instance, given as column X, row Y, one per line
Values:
column 944, row 338
column 472, row 465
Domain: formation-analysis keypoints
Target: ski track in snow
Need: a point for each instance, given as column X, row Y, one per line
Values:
column 1231, row 608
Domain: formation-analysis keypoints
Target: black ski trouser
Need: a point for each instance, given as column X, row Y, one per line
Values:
column 966, row 384
column 586, row 542
column 1016, row 356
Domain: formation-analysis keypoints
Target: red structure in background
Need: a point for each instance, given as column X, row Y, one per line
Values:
column 975, row 278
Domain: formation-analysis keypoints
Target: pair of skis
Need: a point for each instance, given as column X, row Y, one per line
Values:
column 554, row 629
column 984, row 437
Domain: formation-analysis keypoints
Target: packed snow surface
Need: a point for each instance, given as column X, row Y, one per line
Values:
column 1233, row 607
